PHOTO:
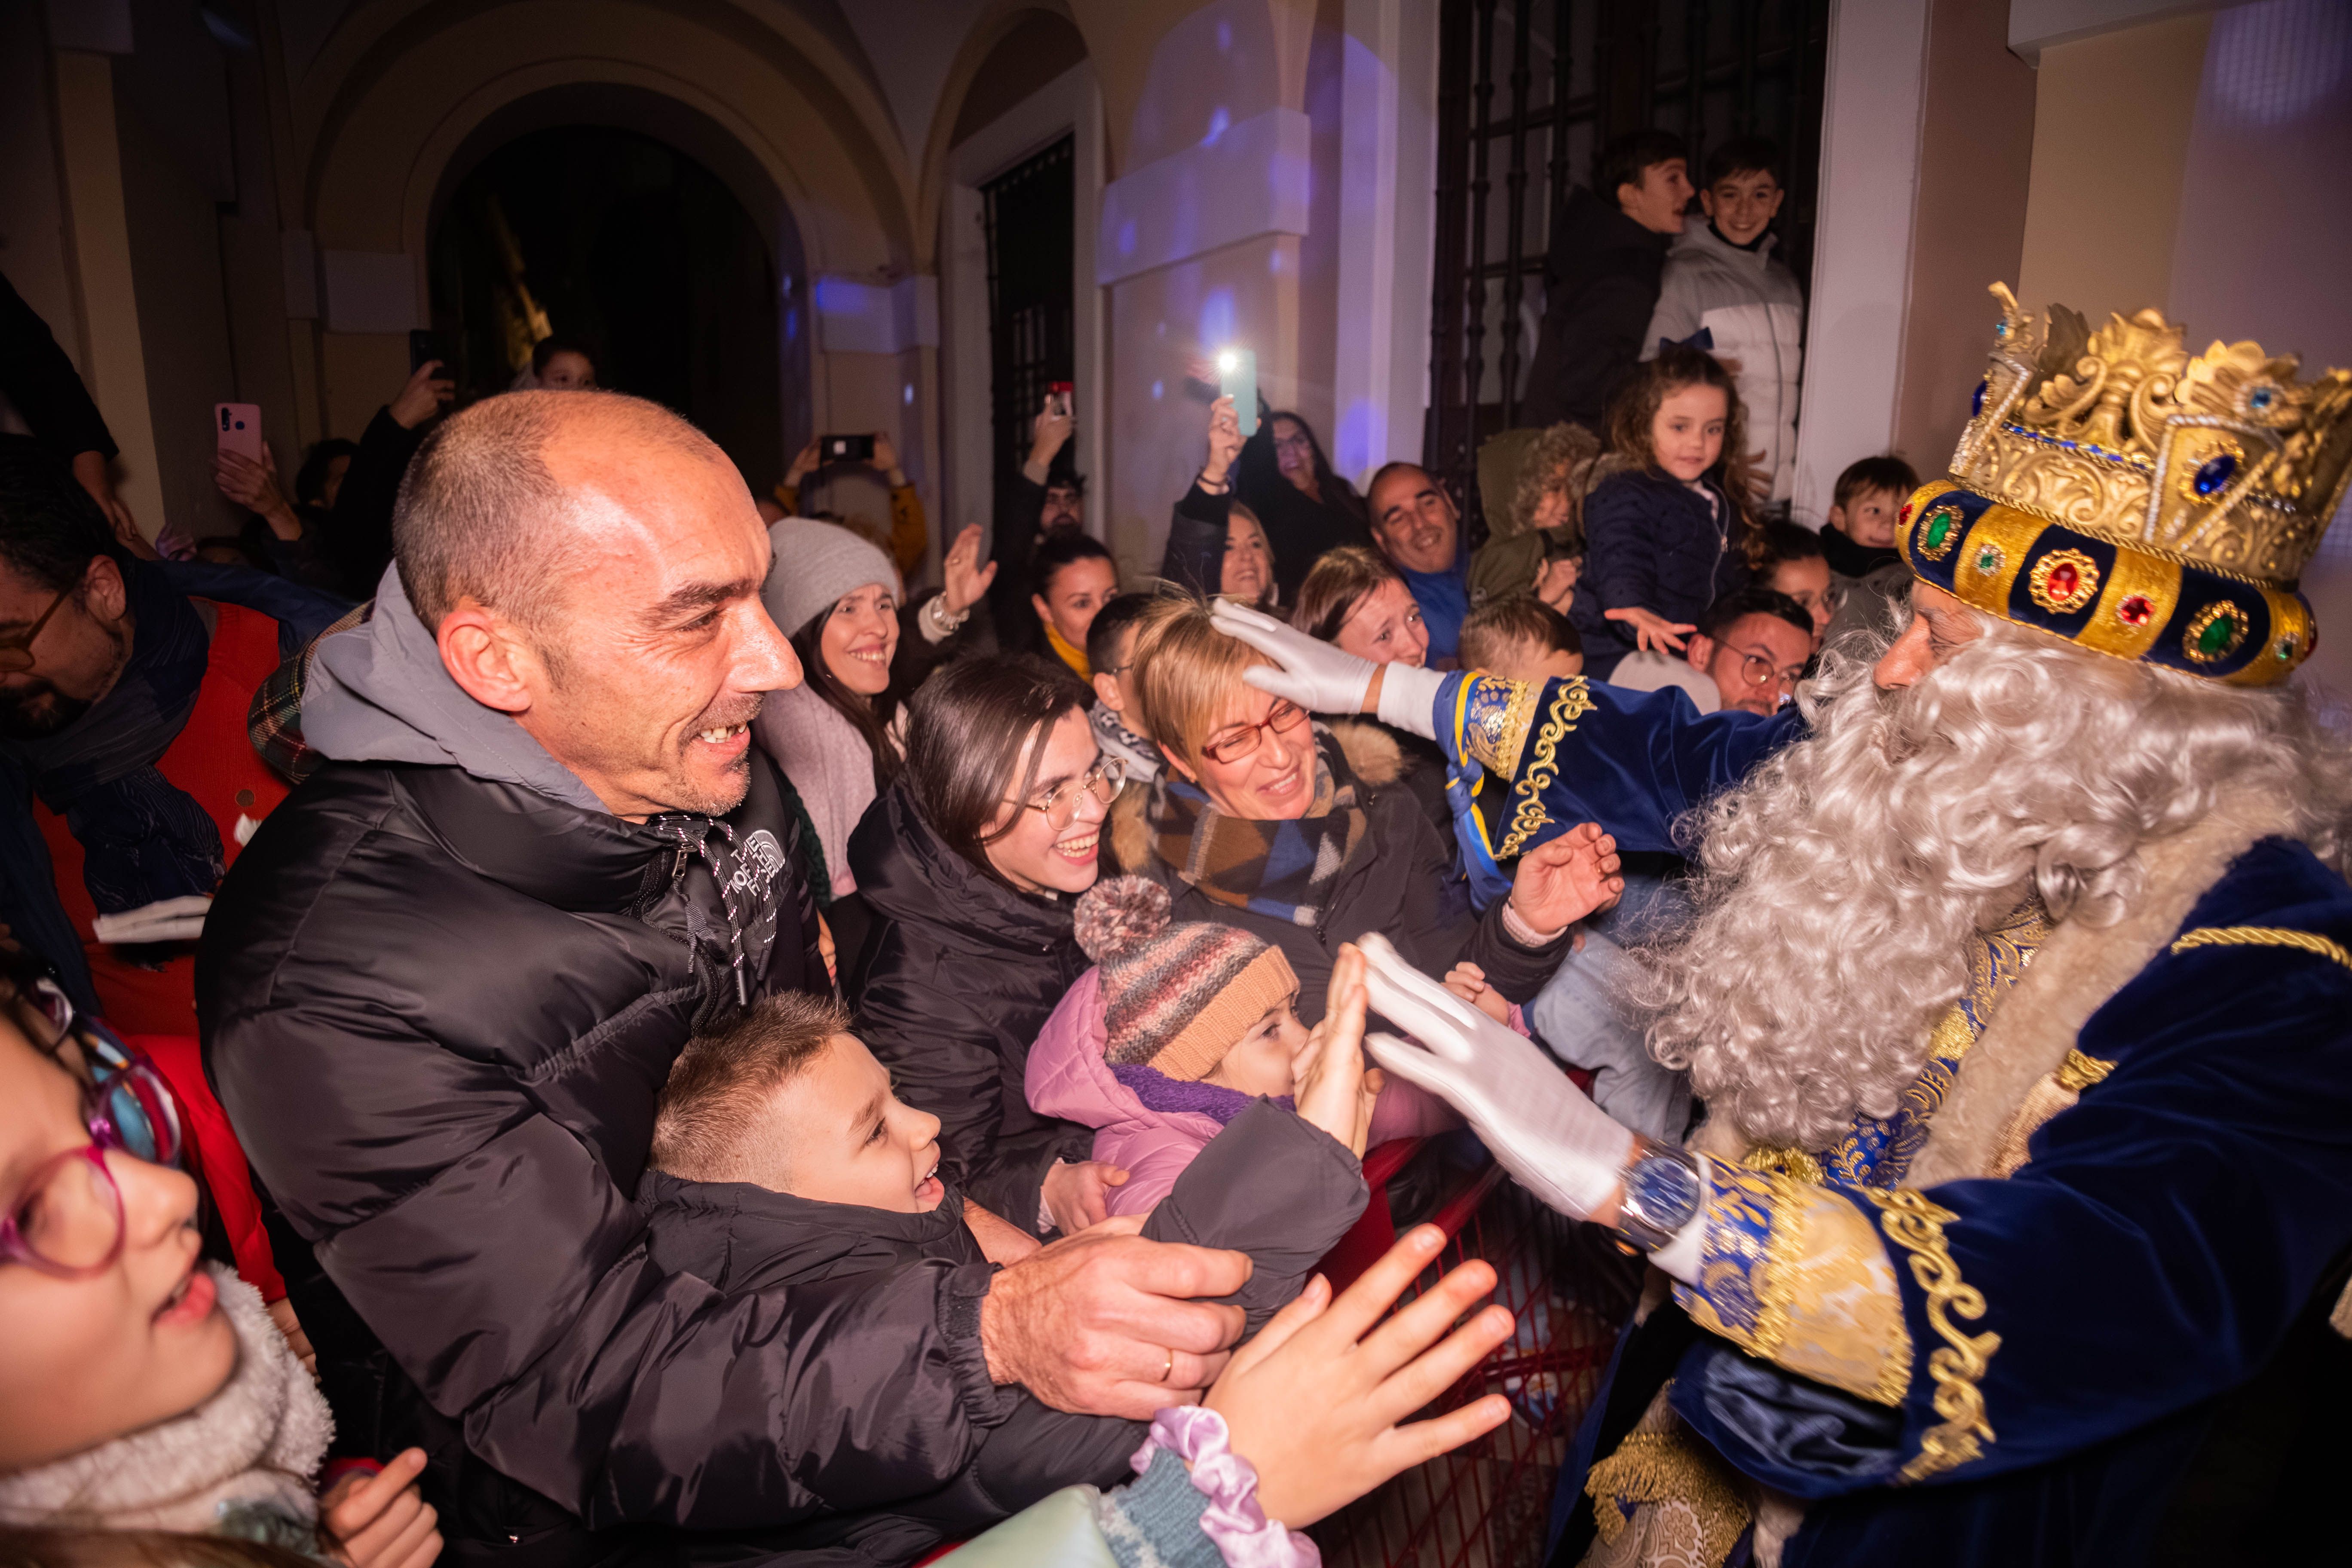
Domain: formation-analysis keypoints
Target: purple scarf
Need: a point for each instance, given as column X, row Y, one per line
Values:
column 1159, row 1092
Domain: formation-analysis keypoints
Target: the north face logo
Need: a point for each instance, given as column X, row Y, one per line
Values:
column 757, row 860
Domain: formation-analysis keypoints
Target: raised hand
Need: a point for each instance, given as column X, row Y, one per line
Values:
column 1224, row 442
column 254, row 486
column 966, row 577
column 1333, row 1090
column 1047, row 436
column 1313, row 1403
column 426, row 394
column 807, row 462
column 1562, row 881
column 885, row 457
column 1653, row 633
column 381, row 1520
column 1318, row 676
column 1541, row 1128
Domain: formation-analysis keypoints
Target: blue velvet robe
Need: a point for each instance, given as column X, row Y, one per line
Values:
column 2035, row 1361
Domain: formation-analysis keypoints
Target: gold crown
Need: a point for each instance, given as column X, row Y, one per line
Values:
column 2223, row 460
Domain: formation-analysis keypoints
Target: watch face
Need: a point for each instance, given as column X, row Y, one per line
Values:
column 1665, row 1190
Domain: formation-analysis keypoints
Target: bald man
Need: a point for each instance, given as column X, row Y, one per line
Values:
column 445, row 984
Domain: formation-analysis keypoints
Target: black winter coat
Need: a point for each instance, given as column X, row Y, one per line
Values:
column 1299, row 528
column 1601, row 286
column 1401, row 882
column 438, row 1011
column 1270, row 1185
column 957, row 977
column 1651, row 543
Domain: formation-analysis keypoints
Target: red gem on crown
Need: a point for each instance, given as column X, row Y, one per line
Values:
column 2064, row 581
column 1904, row 516
column 2134, row 611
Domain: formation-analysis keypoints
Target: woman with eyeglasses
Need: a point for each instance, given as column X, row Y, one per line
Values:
column 1300, row 833
column 1281, row 475
column 970, row 863
column 144, row 1388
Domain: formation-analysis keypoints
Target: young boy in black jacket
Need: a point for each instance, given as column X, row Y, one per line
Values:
column 781, row 1156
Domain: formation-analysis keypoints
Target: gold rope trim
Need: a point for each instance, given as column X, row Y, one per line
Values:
column 2264, row 936
column 1789, row 1162
column 2079, row 1072
column 1569, row 704
column 1655, row 1467
column 1959, row 1364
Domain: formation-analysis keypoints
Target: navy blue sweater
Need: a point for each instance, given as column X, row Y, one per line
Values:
column 1654, row 543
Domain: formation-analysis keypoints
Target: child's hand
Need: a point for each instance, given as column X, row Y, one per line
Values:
column 1001, row 1242
column 1653, row 633
column 381, row 1520
column 1562, row 881
column 1334, row 1090
column 1468, row 982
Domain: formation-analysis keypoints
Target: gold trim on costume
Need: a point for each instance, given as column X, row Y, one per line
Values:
column 1656, row 1467
column 1571, row 703
column 2079, row 1072
column 1957, row 1364
column 2264, row 936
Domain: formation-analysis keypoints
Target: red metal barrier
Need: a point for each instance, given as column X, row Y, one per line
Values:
column 1486, row 1504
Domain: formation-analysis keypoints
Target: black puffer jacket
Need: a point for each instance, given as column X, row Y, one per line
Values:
column 1271, row 1184
column 957, row 977
column 438, row 1009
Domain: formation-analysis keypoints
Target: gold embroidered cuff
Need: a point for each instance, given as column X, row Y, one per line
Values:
column 1957, row 1364
column 1797, row 1275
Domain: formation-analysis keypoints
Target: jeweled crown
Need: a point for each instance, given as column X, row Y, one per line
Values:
column 2114, row 491
column 2224, row 458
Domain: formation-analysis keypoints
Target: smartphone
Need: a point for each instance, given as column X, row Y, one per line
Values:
column 1062, row 393
column 1237, row 379
column 846, row 448
column 424, row 348
column 237, row 427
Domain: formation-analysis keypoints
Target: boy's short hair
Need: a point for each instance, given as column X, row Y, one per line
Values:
column 721, row 1081
column 1491, row 631
column 1623, row 160
column 1884, row 472
column 1110, row 623
column 1786, row 541
column 1744, row 155
column 1741, row 603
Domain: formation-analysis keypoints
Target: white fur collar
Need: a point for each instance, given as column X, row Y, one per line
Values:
column 255, row 1443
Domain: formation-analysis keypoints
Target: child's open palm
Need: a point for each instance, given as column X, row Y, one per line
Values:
column 1334, row 1090
column 1566, row 878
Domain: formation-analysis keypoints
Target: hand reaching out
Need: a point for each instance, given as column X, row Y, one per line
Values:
column 427, row 393
column 966, row 577
column 381, row 1520
column 1224, row 442
column 1047, row 436
column 1468, row 982
column 1079, row 1195
column 1333, row 1090
column 1315, row 1402
column 1653, row 633
column 1566, row 878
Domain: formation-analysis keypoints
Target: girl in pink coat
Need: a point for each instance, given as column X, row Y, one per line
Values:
column 1173, row 1034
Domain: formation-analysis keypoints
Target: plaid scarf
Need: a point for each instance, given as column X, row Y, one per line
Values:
column 1283, row 870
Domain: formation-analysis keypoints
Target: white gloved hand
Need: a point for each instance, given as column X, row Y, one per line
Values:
column 1316, row 676
column 1541, row 1128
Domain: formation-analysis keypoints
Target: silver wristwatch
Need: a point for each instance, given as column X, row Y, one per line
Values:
column 1664, row 1190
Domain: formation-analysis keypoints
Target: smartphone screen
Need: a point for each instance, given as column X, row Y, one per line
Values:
column 1063, row 394
column 237, row 427
column 848, row 448
column 1237, row 377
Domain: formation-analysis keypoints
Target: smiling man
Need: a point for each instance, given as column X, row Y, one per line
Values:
column 443, row 987
column 1417, row 526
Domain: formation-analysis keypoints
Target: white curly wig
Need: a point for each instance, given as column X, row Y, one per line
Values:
column 1839, row 886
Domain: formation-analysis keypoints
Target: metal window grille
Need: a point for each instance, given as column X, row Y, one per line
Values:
column 1530, row 91
column 1030, row 213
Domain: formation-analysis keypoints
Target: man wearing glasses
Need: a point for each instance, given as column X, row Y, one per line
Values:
column 124, row 688
column 1748, row 651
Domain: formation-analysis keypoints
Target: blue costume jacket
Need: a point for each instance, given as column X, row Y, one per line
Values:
column 2009, row 1368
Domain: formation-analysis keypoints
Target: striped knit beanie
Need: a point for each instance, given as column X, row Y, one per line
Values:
column 1176, row 997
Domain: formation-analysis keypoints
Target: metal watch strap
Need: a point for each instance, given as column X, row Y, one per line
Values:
column 1641, row 1220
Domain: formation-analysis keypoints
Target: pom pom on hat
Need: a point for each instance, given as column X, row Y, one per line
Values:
column 1120, row 913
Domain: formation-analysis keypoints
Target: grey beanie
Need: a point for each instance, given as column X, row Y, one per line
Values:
column 816, row 565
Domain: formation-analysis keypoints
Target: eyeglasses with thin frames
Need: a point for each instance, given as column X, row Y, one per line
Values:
column 1059, row 804
column 17, row 649
column 1760, row 671
column 1232, row 746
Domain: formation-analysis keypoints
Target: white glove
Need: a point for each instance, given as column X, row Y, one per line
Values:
column 1324, row 679
column 1542, row 1130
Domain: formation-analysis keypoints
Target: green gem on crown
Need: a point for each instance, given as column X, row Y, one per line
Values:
column 1939, row 528
column 2215, row 637
column 1988, row 560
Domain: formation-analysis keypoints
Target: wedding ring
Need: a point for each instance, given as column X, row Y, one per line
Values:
column 1169, row 1370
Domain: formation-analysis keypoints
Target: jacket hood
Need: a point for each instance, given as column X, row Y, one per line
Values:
column 1699, row 238
column 906, row 872
column 739, row 1237
column 1069, row 1077
column 379, row 693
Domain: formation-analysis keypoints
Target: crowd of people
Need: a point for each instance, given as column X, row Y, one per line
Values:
column 554, row 1007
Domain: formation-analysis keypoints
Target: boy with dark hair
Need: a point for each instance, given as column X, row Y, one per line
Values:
column 1721, row 279
column 1601, row 278
column 781, row 1156
column 1858, row 540
column 1521, row 638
